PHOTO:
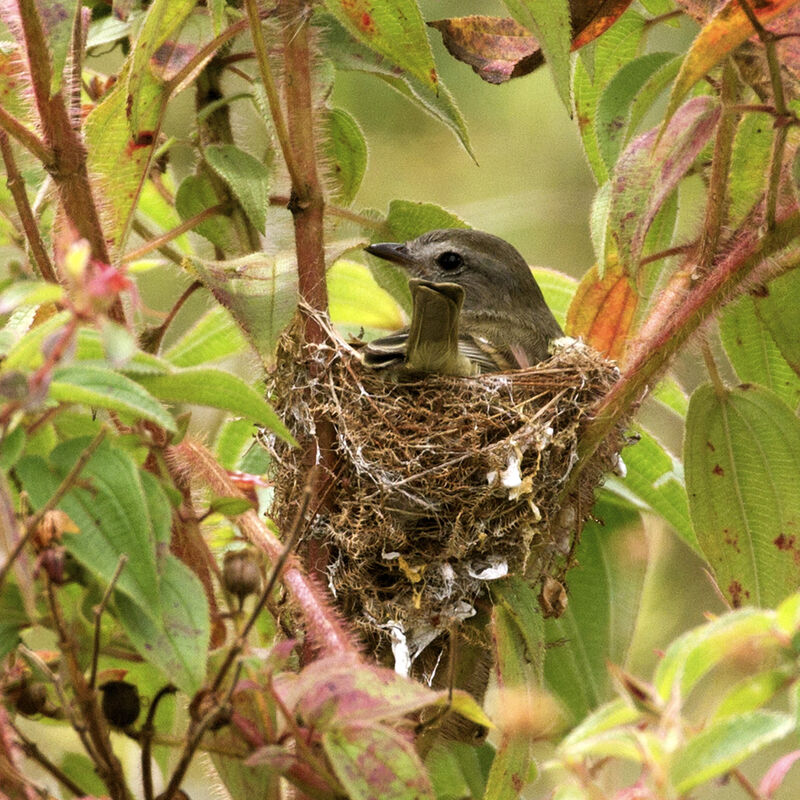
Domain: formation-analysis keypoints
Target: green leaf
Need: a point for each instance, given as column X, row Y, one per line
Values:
column 512, row 762
column 614, row 106
column 724, row 744
column 669, row 393
column 779, row 310
column 598, row 624
column 234, row 440
column 29, row 293
column 230, row 506
column 612, row 50
column 26, row 353
column 91, row 351
column 247, row 177
column 392, row 28
column 753, row 353
column 459, row 769
column 217, row 389
column 694, row 654
column 102, row 388
column 753, row 692
column 549, row 22
column 347, row 53
column 175, row 640
column 721, row 35
column 110, row 506
column 346, row 154
column 13, row 618
column 195, row 195
column 11, row 446
column 164, row 18
column 558, row 290
column 654, row 480
column 522, row 610
column 373, row 761
column 259, row 291
column 356, row 299
column 59, row 21
column 652, row 89
column 214, row 336
column 742, row 457
column 747, row 176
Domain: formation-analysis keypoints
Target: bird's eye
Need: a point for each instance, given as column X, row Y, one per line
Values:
column 449, row 260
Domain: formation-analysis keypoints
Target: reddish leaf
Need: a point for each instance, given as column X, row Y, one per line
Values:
column 499, row 49
column 602, row 310
column 592, row 18
column 376, row 762
column 496, row 48
column 345, row 689
column 775, row 775
column 726, row 30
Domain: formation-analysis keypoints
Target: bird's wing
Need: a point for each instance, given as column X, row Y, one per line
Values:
column 488, row 358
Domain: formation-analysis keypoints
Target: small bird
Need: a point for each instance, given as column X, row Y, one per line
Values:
column 476, row 307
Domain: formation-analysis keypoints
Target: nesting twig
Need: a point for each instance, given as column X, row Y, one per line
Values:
column 443, row 483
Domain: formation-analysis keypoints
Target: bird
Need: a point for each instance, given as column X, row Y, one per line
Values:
column 476, row 307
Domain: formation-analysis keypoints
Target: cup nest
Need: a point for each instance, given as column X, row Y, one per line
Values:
column 441, row 484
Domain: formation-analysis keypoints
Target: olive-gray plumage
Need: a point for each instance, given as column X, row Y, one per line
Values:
column 504, row 322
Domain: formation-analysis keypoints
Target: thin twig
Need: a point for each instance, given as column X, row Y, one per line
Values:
column 768, row 39
column 92, row 727
column 716, row 204
column 271, row 90
column 98, row 616
column 283, row 201
column 713, row 370
column 32, row 751
column 159, row 241
column 63, row 488
column 27, row 138
column 34, row 658
column 142, row 230
column 155, row 343
column 195, row 736
column 16, row 185
column 291, row 542
column 743, row 781
column 146, row 740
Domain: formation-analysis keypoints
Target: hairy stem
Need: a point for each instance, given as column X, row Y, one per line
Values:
column 16, row 185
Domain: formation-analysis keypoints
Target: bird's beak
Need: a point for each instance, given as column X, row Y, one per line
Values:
column 391, row 251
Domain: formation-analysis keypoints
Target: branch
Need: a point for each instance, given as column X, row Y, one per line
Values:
column 16, row 185
column 673, row 325
column 322, row 620
column 159, row 241
column 27, row 138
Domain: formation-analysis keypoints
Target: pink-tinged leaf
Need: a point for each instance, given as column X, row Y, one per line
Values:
column 775, row 775
column 340, row 689
column 496, row 48
column 377, row 763
column 649, row 171
column 726, row 30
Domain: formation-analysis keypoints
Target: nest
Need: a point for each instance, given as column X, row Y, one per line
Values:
column 442, row 484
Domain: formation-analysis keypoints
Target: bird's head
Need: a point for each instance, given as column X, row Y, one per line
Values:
column 484, row 265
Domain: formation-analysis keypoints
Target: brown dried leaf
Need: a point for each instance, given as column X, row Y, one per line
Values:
column 497, row 49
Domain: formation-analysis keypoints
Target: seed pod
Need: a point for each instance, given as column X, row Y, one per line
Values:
column 121, row 704
column 240, row 574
